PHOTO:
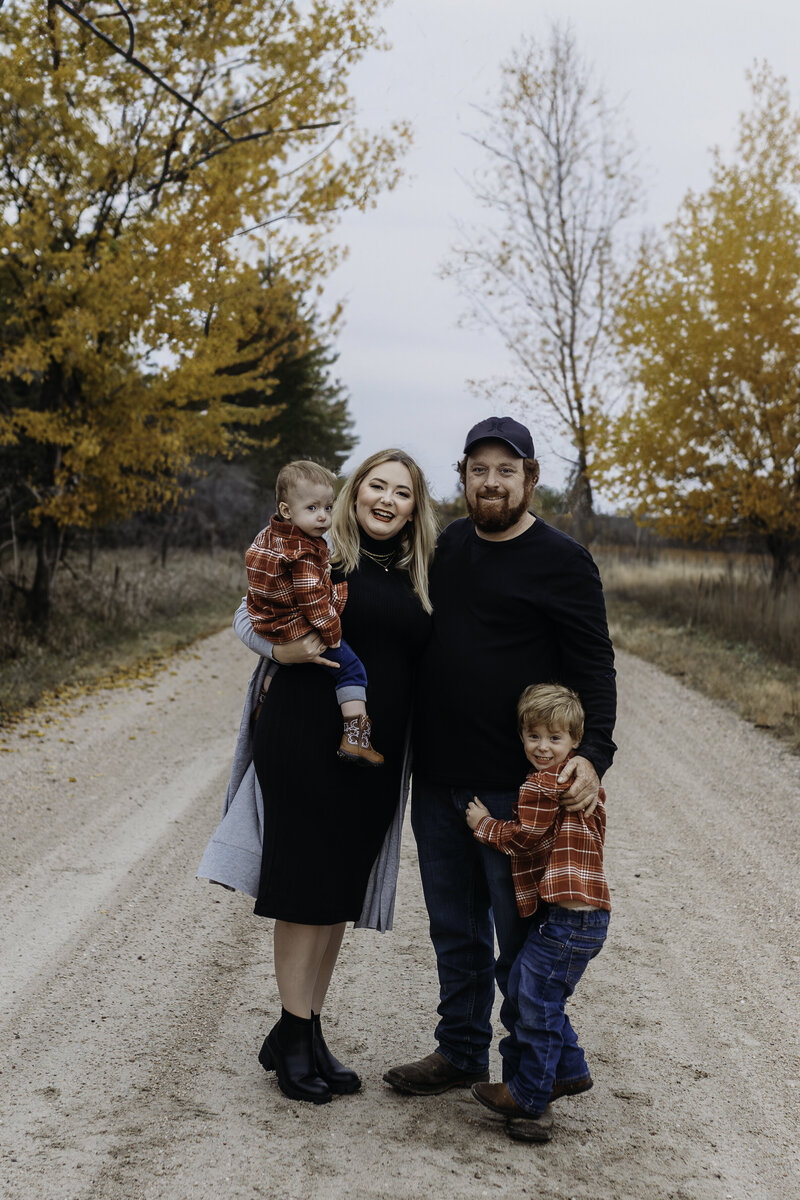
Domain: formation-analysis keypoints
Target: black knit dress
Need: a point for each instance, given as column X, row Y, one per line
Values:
column 324, row 818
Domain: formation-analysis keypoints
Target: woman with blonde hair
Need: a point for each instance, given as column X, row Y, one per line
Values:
column 416, row 541
column 331, row 832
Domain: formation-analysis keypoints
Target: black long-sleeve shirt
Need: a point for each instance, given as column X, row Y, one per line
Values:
column 505, row 615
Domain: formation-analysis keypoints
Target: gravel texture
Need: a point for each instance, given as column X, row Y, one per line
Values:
column 135, row 998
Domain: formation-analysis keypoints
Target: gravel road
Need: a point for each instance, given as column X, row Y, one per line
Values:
column 135, row 997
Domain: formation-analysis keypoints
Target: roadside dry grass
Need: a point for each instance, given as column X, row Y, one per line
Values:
column 713, row 621
column 121, row 619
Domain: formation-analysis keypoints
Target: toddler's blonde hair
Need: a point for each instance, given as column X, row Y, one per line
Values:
column 301, row 470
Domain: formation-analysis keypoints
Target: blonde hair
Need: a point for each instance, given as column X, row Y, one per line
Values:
column 553, row 705
column 418, row 537
column 301, row 470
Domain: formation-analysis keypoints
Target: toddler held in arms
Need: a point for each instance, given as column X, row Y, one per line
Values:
column 557, row 868
column 290, row 592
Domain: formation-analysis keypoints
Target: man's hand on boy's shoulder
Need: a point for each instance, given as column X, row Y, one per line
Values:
column 583, row 792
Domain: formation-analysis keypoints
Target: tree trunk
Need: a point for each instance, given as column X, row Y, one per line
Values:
column 39, row 597
column 781, row 549
column 581, row 504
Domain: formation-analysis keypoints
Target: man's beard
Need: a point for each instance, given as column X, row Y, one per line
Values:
column 500, row 516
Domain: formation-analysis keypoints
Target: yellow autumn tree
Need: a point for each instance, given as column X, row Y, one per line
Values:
column 156, row 160
column 710, row 443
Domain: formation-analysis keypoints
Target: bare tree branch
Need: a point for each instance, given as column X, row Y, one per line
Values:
column 544, row 271
column 121, row 11
column 72, row 11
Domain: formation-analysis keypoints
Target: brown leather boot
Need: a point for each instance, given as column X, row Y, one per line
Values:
column 430, row 1076
column 355, row 744
column 521, row 1125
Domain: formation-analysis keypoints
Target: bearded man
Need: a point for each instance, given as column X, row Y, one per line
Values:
column 515, row 602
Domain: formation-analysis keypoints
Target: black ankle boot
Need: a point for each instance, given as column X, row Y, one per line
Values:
column 288, row 1051
column 339, row 1079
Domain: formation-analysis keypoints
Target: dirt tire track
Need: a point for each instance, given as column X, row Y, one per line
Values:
column 136, row 997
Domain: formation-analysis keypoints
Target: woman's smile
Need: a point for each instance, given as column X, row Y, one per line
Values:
column 385, row 500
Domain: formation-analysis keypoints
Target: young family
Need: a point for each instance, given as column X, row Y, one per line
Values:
column 484, row 657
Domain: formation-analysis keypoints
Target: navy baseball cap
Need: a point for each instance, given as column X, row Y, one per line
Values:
column 502, row 429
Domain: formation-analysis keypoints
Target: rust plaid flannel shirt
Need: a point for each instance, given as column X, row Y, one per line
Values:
column 290, row 592
column 555, row 855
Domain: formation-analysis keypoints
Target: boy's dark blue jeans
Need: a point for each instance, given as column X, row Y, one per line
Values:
column 560, row 944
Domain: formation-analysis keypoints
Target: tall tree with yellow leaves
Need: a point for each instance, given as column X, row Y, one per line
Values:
column 155, row 159
column 710, row 443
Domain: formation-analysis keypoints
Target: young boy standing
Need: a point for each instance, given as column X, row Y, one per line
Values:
column 290, row 592
column 557, row 868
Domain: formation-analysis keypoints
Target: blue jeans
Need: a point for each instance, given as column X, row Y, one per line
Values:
column 561, row 943
column 470, row 897
column 350, row 680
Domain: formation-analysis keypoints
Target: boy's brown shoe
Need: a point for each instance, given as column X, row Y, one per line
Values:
column 355, row 744
column 571, row 1087
column 430, row 1076
column 531, row 1129
column 521, row 1125
column 498, row 1098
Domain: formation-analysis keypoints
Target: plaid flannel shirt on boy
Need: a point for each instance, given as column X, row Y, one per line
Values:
column 289, row 589
column 555, row 855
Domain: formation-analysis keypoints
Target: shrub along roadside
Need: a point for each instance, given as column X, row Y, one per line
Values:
column 712, row 620
column 117, row 619
column 727, row 595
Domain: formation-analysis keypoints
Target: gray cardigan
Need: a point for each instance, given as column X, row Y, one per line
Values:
column 233, row 856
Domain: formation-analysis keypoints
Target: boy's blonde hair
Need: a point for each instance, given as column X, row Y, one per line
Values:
column 302, row 470
column 553, row 705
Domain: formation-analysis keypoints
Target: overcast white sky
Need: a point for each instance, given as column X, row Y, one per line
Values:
column 680, row 69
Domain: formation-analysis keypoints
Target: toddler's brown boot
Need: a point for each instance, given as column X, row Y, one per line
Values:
column 355, row 744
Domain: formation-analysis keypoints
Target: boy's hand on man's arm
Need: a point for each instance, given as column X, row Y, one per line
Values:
column 584, row 790
column 475, row 812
